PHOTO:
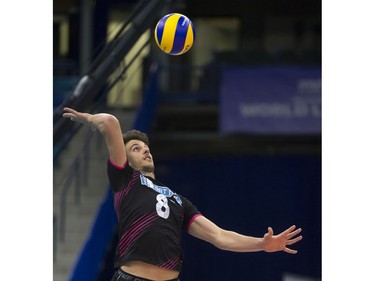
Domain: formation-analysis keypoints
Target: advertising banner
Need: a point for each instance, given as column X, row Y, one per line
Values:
column 271, row 100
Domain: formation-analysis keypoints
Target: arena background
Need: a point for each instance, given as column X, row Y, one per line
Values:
column 241, row 177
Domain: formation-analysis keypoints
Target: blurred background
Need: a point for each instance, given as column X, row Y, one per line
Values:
column 234, row 125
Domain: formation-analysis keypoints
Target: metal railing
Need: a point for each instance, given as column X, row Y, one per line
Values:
column 77, row 174
column 91, row 86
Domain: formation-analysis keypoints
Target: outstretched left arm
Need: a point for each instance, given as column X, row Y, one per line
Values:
column 206, row 230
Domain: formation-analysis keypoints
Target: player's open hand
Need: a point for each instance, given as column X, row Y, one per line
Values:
column 77, row 116
column 280, row 242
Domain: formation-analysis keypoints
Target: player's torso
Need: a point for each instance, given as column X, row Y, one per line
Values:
column 151, row 211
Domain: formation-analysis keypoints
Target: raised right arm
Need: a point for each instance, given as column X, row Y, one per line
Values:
column 109, row 126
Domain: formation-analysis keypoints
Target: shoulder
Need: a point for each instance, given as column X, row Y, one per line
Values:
column 120, row 176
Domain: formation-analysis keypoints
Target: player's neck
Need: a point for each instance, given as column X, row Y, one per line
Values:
column 148, row 174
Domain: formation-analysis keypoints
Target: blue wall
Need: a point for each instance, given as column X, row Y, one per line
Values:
column 248, row 194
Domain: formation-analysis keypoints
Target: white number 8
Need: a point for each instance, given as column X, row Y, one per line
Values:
column 162, row 207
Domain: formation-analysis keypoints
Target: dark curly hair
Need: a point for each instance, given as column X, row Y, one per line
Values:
column 135, row 135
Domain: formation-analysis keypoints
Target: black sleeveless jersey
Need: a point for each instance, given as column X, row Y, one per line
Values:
column 151, row 218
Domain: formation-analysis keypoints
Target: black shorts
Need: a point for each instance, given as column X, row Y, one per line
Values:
column 121, row 275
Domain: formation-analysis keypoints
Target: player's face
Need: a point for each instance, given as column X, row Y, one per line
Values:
column 139, row 156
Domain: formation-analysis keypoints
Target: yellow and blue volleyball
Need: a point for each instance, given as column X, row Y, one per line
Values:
column 174, row 34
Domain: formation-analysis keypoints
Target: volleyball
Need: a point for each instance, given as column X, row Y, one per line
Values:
column 174, row 34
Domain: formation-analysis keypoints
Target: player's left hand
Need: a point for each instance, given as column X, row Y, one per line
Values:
column 274, row 243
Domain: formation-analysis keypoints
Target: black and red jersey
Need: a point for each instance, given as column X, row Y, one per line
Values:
column 151, row 218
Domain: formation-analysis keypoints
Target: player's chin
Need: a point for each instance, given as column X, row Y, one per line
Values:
column 149, row 167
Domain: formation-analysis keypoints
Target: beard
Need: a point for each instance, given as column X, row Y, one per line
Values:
column 149, row 168
column 144, row 167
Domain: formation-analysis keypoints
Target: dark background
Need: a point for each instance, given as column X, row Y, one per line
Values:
column 242, row 183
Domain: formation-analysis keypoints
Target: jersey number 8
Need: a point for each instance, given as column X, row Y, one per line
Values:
column 162, row 207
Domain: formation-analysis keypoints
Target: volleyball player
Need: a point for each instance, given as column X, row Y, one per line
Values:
column 151, row 216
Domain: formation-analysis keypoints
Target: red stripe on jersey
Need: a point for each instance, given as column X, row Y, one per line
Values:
column 134, row 232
